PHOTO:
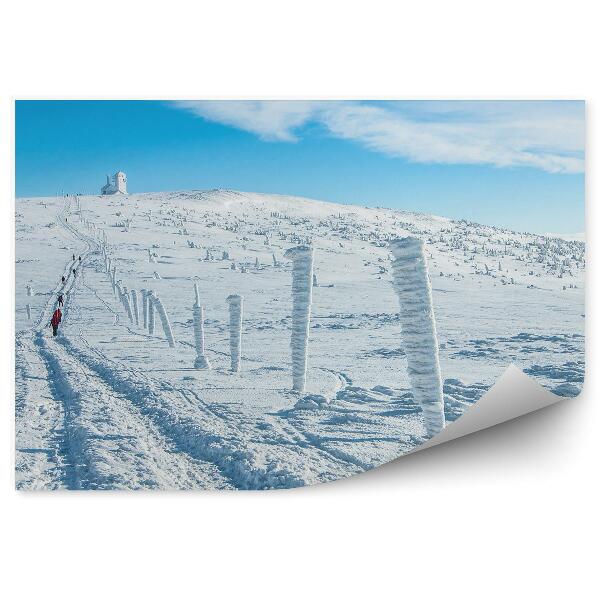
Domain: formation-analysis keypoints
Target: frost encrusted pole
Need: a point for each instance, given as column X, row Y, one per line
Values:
column 127, row 303
column 150, row 312
column 201, row 361
column 411, row 283
column 164, row 318
column 236, row 310
column 302, row 284
column 144, row 293
column 134, row 302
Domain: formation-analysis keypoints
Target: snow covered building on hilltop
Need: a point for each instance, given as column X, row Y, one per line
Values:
column 118, row 185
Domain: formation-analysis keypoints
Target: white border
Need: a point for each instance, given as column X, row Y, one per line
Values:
column 507, row 513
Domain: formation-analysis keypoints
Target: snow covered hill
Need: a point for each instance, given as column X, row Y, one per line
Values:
column 106, row 404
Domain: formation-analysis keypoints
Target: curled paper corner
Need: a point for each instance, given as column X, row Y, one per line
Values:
column 513, row 395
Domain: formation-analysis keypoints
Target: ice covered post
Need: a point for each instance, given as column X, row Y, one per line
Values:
column 150, row 312
column 144, row 293
column 126, row 303
column 236, row 310
column 201, row 361
column 196, row 295
column 134, row 302
column 302, row 284
column 164, row 319
column 411, row 283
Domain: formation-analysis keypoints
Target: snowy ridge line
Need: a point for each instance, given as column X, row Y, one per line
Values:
column 189, row 436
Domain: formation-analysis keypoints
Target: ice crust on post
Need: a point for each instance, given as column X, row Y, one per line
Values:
column 127, row 304
column 144, row 293
column 419, row 337
column 201, row 361
column 134, row 302
column 302, row 284
column 164, row 319
column 236, row 310
column 150, row 312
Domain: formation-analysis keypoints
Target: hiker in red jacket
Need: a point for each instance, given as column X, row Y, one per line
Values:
column 55, row 321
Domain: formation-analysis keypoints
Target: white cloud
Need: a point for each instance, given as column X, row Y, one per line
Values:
column 270, row 120
column 545, row 135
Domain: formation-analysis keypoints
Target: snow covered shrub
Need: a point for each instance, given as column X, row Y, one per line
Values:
column 28, row 309
column 164, row 318
column 29, row 290
column 411, row 283
column 302, row 284
column 236, row 310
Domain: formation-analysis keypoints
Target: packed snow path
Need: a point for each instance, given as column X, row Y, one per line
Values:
column 107, row 404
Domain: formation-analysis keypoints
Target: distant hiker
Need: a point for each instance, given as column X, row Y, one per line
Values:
column 73, row 257
column 63, row 279
column 61, row 301
column 74, row 271
column 80, row 259
column 55, row 321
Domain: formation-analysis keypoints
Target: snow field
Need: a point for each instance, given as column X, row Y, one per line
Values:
column 498, row 298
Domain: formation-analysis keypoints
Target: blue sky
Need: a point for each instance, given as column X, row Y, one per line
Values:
column 514, row 164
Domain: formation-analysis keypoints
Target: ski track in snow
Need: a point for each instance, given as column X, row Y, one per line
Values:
column 106, row 405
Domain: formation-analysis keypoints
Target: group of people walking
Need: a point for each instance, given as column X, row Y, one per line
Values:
column 57, row 314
